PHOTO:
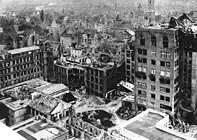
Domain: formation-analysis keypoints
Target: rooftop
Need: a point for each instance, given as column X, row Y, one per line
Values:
column 18, row 104
column 53, row 89
column 37, row 83
column 44, row 103
column 19, row 92
column 33, row 83
column 145, row 125
column 25, row 49
column 37, row 129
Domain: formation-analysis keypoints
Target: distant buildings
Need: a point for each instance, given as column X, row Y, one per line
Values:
column 151, row 12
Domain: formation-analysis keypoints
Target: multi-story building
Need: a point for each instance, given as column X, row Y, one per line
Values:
column 51, row 51
column 157, row 67
column 102, row 78
column 98, row 78
column 130, row 63
column 19, row 65
column 188, row 66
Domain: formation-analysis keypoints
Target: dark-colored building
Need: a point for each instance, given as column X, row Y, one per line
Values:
column 20, row 65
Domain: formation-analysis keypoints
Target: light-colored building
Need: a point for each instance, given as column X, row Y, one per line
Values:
column 17, row 111
column 38, row 128
column 49, row 107
column 8, row 134
column 156, row 67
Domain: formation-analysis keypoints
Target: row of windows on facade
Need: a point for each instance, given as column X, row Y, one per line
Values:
column 96, row 80
column 153, row 88
column 153, row 62
column 153, row 71
column 18, row 61
column 163, row 54
column 154, row 41
column 17, row 68
column 96, row 87
column 162, row 80
column 9, row 83
column 20, row 74
column 142, row 93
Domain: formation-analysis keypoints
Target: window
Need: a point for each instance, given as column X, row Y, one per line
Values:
column 139, row 51
column 153, row 96
column 162, row 54
column 162, row 63
column 162, row 89
column 144, row 94
column 167, row 81
column 153, row 88
column 167, row 74
column 153, row 53
column 176, row 63
column 161, row 98
column 139, row 92
column 139, row 85
column 144, row 52
column 153, row 62
column 168, row 56
column 144, row 60
column 144, row 86
column 162, row 73
column 153, row 40
column 168, row 99
column 165, row 107
column 142, row 40
column 139, row 68
column 153, row 71
column 139, row 59
column 144, row 70
column 128, row 61
column 132, row 70
column 167, row 90
column 168, row 64
column 165, row 42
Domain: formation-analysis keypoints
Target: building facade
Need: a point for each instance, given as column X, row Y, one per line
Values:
column 20, row 65
column 98, row 78
column 101, row 80
column 130, row 63
column 157, row 68
column 188, row 67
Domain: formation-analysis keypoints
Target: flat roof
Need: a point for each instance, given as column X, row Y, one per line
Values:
column 53, row 88
column 146, row 126
column 37, row 83
column 8, row 134
column 34, row 129
column 18, row 104
column 24, row 49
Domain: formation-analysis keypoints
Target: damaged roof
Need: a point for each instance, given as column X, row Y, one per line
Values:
column 44, row 103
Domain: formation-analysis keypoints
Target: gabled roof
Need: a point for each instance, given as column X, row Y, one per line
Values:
column 44, row 103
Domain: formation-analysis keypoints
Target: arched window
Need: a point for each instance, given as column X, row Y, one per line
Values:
column 165, row 42
column 153, row 40
column 142, row 39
